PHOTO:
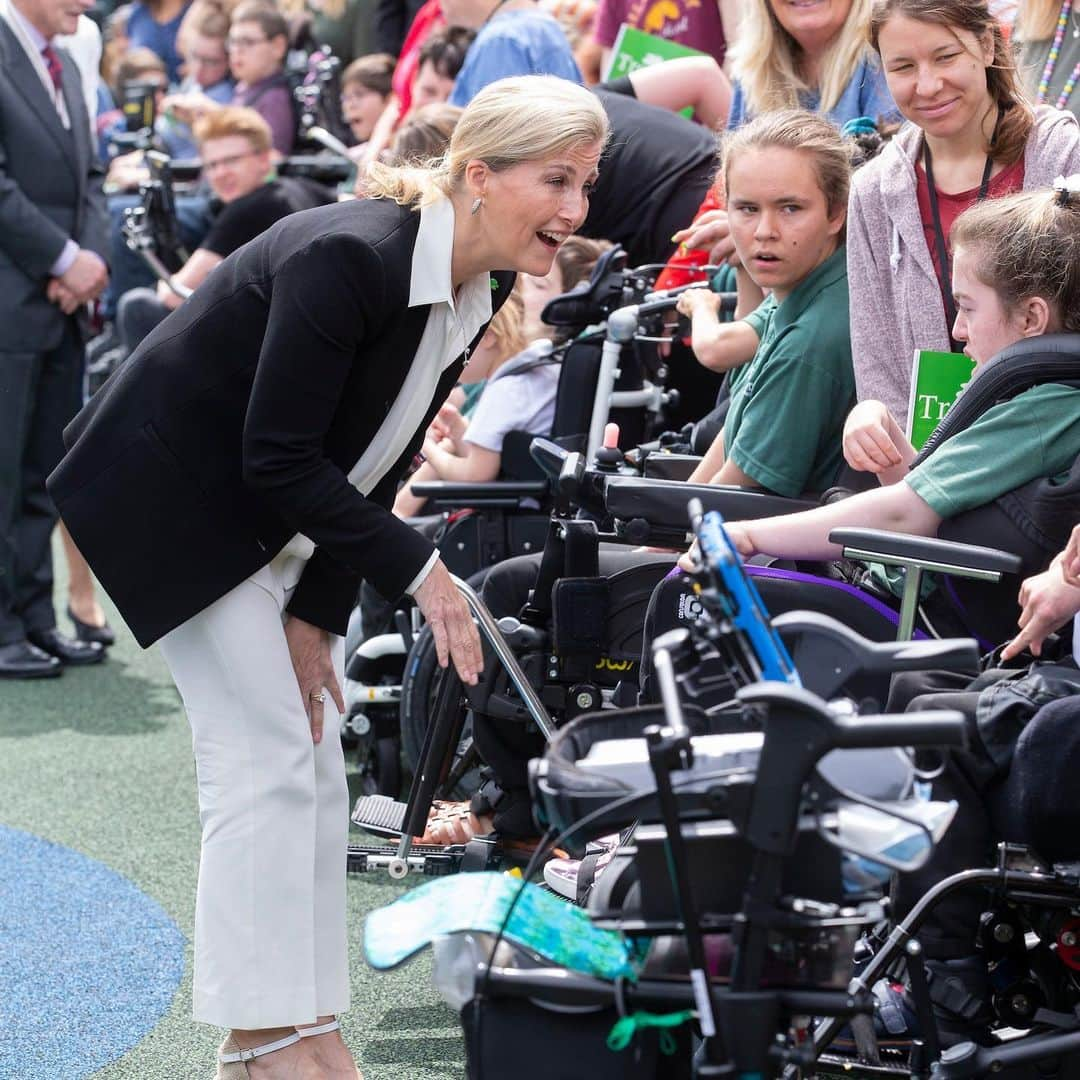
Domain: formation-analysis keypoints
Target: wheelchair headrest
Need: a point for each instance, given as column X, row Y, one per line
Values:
column 591, row 301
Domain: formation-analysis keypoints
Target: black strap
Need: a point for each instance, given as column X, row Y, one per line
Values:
column 944, row 261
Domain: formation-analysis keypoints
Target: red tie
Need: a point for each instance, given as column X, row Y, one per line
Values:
column 55, row 68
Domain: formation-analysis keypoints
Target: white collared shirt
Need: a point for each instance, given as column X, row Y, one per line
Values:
column 451, row 324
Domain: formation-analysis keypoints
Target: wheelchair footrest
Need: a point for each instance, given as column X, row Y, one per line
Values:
column 476, row 856
column 379, row 814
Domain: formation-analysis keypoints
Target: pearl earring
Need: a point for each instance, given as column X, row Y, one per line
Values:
column 477, row 203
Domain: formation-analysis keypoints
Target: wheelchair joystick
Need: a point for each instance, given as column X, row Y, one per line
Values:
column 609, row 457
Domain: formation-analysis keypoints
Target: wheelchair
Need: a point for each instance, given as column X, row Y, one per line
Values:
column 745, row 953
column 608, row 371
column 756, row 786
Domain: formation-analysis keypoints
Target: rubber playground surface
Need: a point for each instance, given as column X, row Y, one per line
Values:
column 99, row 844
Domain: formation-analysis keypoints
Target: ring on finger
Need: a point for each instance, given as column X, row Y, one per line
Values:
column 319, row 697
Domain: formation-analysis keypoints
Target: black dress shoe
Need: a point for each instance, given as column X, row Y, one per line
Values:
column 21, row 660
column 85, row 631
column 67, row 650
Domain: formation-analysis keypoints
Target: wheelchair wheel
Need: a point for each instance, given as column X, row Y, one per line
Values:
column 418, row 687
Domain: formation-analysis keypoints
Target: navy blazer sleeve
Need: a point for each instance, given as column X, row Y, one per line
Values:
column 316, row 328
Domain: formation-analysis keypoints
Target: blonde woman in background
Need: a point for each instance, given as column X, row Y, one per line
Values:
column 812, row 56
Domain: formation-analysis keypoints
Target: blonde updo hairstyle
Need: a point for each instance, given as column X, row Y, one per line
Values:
column 526, row 118
column 1028, row 245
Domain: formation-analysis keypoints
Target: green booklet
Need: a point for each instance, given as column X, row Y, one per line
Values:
column 635, row 49
column 936, row 381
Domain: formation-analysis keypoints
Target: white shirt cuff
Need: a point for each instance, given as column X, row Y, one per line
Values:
column 422, row 576
column 64, row 259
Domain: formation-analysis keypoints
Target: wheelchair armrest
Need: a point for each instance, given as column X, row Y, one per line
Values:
column 503, row 494
column 661, row 466
column 661, row 504
column 830, row 654
column 942, row 556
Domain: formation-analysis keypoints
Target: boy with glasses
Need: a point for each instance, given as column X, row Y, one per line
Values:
column 257, row 44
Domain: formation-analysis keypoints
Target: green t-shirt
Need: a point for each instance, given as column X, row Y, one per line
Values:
column 789, row 403
column 1035, row 434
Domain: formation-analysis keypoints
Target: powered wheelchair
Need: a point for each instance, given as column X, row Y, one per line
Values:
column 747, row 884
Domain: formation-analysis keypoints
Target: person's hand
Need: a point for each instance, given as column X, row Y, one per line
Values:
column 187, row 108
column 1047, row 603
column 737, row 533
column 309, row 650
column 167, row 296
column 712, row 233
column 690, row 559
column 868, row 446
column 695, row 300
column 62, row 296
column 1070, row 559
column 448, row 423
column 446, row 612
column 127, row 171
column 86, row 277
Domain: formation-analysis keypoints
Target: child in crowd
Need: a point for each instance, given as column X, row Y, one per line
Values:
column 519, row 391
column 786, row 177
column 257, row 44
column 365, row 88
column 972, row 135
column 438, row 62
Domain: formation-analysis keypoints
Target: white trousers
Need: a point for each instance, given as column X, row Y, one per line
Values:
column 270, row 945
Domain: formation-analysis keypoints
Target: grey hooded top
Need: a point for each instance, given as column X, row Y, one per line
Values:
column 896, row 302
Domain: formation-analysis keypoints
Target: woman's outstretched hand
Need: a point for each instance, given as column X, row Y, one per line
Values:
column 309, row 650
column 451, row 622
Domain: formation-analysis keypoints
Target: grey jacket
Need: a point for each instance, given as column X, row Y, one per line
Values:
column 896, row 303
column 50, row 190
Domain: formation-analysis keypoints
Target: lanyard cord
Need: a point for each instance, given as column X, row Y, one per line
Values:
column 944, row 261
column 1052, row 59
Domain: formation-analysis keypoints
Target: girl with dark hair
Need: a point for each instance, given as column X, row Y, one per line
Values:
column 971, row 135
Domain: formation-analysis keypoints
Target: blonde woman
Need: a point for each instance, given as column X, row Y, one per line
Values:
column 234, row 487
column 1048, row 33
column 813, row 56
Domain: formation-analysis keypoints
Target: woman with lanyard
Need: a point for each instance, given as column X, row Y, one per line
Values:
column 233, row 487
column 1048, row 33
column 971, row 135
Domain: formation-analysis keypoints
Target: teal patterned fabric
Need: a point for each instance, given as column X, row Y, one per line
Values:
column 541, row 923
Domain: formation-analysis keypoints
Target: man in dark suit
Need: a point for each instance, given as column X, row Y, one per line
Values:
column 52, row 233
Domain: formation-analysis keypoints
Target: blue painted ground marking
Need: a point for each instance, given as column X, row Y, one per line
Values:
column 88, row 963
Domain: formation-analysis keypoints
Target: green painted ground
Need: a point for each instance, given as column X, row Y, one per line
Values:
column 100, row 760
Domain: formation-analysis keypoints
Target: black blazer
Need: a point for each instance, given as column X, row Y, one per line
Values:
column 235, row 423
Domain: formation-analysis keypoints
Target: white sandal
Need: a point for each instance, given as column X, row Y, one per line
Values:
column 233, row 1058
column 319, row 1029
